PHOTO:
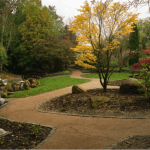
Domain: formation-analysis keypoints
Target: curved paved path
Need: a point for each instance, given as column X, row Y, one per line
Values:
column 74, row 132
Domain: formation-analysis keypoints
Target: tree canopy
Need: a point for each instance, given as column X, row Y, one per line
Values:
column 34, row 36
column 98, row 28
column 37, row 33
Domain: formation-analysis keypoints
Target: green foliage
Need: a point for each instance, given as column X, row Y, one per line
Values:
column 134, row 45
column 60, row 72
column 68, row 41
column 58, row 64
column 14, row 53
column 145, row 74
column 33, row 35
column 114, row 63
column 144, row 32
column 36, row 32
column 3, row 56
column 57, row 20
column 36, row 130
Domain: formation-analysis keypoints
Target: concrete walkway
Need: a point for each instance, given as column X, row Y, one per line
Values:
column 74, row 132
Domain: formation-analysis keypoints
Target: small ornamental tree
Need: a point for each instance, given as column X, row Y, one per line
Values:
column 144, row 66
column 145, row 53
column 98, row 28
column 139, row 64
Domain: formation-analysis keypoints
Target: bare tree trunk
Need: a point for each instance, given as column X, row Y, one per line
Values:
column 105, row 85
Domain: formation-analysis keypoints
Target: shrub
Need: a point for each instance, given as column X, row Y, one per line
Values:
column 139, row 64
column 145, row 74
column 145, row 52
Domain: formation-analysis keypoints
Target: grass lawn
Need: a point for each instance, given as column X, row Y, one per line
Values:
column 50, row 84
column 114, row 76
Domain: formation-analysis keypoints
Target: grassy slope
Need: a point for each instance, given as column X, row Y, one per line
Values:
column 50, row 84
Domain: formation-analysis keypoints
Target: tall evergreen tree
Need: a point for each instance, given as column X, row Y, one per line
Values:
column 134, row 45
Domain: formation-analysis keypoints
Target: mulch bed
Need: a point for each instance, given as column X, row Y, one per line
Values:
column 120, row 105
column 23, row 136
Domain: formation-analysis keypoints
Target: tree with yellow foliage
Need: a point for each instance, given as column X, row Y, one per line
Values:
column 98, row 28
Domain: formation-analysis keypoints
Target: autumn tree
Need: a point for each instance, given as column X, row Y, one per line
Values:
column 97, row 22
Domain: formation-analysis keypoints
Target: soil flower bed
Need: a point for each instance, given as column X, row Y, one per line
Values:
column 22, row 135
column 120, row 105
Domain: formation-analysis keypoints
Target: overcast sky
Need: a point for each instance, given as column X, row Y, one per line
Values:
column 68, row 8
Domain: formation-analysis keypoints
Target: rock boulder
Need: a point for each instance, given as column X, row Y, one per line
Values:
column 98, row 100
column 77, row 89
column 3, row 94
column 131, row 86
column 16, row 87
column 32, row 80
column 2, row 101
column 26, row 85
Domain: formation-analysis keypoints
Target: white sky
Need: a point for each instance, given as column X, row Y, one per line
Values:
column 68, row 8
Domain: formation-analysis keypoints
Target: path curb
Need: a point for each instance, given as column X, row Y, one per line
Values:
column 116, row 143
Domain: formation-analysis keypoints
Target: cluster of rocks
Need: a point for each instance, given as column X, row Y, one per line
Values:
column 11, row 88
column 96, row 101
column 128, row 86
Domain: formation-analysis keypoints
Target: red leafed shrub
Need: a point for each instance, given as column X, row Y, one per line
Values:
column 146, row 52
column 138, row 65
